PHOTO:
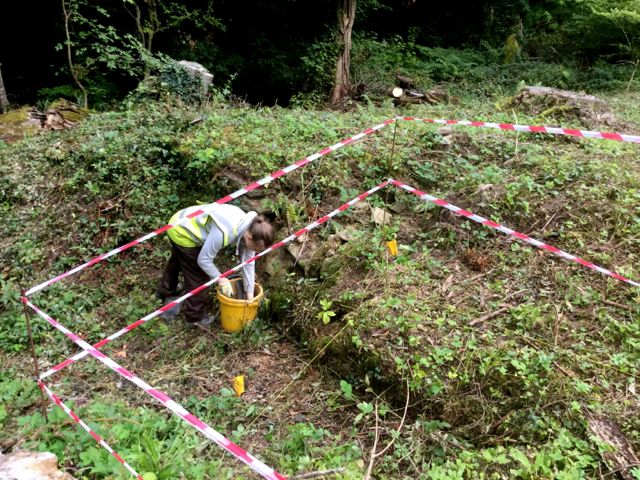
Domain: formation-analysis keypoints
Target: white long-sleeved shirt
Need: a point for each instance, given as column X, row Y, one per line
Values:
column 214, row 242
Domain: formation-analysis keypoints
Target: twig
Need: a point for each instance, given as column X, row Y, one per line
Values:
column 530, row 342
column 304, row 243
column 476, row 277
column 404, row 416
column 549, row 221
column 9, row 242
column 564, row 370
column 625, row 467
column 489, row 316
column 556, row 326
column 36, row 370
column 619, row 305
column 319, row 473
column 372, row 456
column 375, row 454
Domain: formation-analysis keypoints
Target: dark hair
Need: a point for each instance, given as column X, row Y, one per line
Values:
column 261, row 231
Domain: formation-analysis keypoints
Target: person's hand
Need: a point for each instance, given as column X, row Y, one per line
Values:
column 225, row 287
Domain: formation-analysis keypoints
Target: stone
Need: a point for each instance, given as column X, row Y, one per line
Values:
column 380, row 216
column 278, row 264
column 398, row 207
column 197, row 70
column 25, row 465
column 347, row 234
column 361, row 206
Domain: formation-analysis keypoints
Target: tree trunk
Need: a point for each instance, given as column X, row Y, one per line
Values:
column 72, row 69
column 4, row 101
column 346, row 18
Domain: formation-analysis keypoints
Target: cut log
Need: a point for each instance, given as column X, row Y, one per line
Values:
column 396, row 92
column 404, row 82
column 411, row 95
column 414, row 94
column 405, row 100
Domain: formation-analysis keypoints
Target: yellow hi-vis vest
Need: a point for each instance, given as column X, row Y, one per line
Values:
column 194, row 231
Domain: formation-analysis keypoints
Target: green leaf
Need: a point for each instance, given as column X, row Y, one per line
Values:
column 347, row 389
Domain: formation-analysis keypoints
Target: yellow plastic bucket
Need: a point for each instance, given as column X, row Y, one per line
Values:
column 235, row 314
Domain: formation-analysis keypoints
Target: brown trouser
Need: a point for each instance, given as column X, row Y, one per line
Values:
column 185, row 260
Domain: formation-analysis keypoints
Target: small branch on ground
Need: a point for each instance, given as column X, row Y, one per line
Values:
column 375, row 454
column 318, row 474
column 489, row 316
column 619, row 305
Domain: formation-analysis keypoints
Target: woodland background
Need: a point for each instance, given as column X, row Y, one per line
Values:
column 285, row 51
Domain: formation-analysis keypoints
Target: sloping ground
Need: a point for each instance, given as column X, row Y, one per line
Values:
column 507, row 352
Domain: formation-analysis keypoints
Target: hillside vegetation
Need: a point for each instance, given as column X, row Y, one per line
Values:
column 469, row 354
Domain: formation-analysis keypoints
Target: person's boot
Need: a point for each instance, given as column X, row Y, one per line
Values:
column 171, row 314
column 203, row 322
column 175, row 293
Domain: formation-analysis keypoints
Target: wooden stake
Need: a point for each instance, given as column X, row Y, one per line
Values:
column 33, row 353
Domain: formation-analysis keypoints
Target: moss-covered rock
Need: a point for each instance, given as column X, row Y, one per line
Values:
column 16, row 124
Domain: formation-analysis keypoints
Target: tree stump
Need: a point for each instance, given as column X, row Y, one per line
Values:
column 551, row 103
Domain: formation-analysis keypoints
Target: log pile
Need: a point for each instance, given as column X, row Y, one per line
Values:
column 59, row 115
column 63, row 114
column 405, row 93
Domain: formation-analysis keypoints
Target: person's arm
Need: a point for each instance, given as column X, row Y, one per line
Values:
column 248, row 272
column 212, row 245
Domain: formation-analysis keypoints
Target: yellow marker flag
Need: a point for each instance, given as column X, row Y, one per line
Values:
column 238, row 385
column 392, row 245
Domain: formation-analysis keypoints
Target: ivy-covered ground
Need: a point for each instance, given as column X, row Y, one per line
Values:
column 468, row 355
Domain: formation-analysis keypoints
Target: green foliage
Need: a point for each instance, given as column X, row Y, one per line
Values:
column 154, row 444
column 169, row 80
column 501, row 397
column 303, row 449
column 512, row 49
column 318, row 65
column 96, row 47
column 482, row 71
column 326, row 314
column 49, row 94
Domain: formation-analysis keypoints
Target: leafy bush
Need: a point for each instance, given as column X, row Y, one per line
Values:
column 170, row 80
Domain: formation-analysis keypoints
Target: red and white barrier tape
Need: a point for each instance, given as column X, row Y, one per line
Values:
column 55, row 399
column 226, row 444
column 513, row 233
column 238, row 193
column 423, row 195
column 195, row 291
column 572, row 132
column 301, row 163
column 209, row 432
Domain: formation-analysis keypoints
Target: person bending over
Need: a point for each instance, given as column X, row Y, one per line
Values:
column 195, row 244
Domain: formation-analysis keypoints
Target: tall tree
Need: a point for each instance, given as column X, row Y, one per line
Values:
column 346, row 19
column 4, row 101
column 69, row 9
